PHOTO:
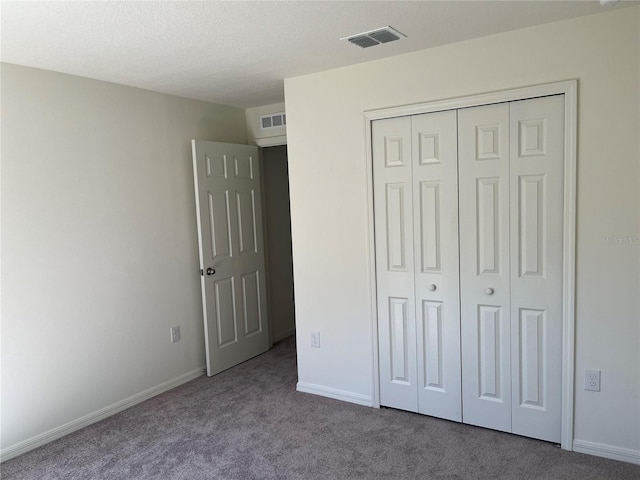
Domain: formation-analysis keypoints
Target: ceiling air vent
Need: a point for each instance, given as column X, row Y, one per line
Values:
column 273, row 120
column 375, row 37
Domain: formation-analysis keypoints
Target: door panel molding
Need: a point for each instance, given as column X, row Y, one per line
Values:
column 535, row 147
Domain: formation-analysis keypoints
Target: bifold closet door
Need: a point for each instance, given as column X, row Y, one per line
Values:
column 483, row 136
column 537, row 190
column 435, row 233
column 468, row 231
column 393, row 207
column 416, row 235
column 511, row 165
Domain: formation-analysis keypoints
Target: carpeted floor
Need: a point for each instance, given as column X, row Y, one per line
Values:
column 250, row 423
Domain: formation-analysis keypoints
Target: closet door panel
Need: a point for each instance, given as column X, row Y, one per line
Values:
column 483, row 139
column 393, row 207
column 537, row 166
column 435, row 239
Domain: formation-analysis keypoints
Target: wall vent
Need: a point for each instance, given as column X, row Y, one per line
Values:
column 375, row 37
column 273, row 120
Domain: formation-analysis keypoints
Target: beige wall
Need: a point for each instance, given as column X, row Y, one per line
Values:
column 99, row 246
column 326, row 148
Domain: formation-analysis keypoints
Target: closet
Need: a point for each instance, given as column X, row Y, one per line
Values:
column 468, row 210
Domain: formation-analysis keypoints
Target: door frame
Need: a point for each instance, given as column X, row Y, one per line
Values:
column 569, row 89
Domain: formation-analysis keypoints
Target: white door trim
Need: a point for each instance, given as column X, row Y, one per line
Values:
column 270, row 141
column 567, row 88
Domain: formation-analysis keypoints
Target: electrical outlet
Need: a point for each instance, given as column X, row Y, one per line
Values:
column 592, row 380
column 175, row 334
column 315, row 339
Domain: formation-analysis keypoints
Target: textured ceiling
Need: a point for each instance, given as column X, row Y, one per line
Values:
column 238, row 53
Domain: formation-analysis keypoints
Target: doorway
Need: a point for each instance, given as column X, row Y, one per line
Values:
column 277, row 228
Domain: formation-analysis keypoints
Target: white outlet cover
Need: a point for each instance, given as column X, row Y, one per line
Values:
column 592, row 380
column 315, row 339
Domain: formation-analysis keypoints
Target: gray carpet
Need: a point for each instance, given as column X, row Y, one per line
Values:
column 250, row 423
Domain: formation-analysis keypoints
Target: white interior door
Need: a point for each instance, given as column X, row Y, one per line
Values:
column 484, row 260
column 230, row 239
column 537, row 166
column 436, row 267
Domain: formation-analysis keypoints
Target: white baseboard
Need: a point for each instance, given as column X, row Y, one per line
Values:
column 335, row 393
column 67, row 428
column 607, row 451
column 282, row 335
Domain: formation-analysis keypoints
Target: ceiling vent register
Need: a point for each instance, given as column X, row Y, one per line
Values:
column 375, row 37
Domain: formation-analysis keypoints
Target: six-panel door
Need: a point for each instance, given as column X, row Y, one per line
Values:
column 231, row 253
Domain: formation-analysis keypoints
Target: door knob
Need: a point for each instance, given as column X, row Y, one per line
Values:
column 210, row 271
column 432, row 287
column 489, row 291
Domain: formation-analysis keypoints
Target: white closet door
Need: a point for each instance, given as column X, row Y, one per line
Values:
column 537, row 166
column 391, row 147
column 483, row 139
column 435, row 240
column 468, row 226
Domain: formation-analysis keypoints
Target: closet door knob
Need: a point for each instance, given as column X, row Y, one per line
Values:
column 432, row 287
column 489, row 291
